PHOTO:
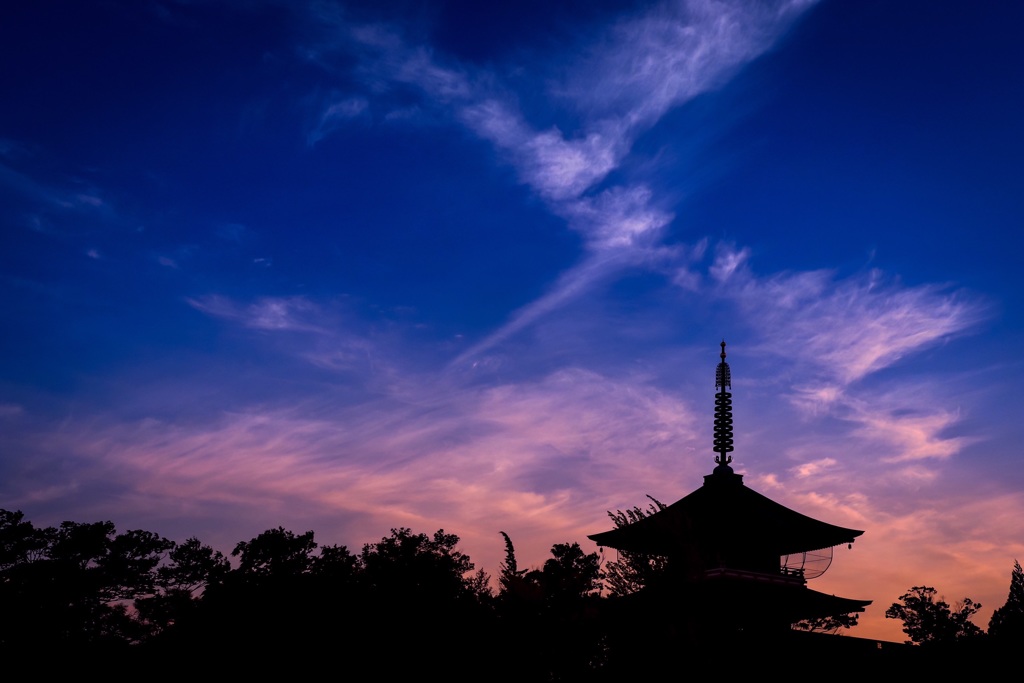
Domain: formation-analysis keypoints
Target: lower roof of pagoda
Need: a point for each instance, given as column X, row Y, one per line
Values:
column 739, row 599
column 724, row 513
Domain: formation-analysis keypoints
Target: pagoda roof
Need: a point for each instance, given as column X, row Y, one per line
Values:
column 738, row 597
column 725, row 512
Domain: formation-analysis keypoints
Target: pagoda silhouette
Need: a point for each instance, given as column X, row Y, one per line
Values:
column 737, row 562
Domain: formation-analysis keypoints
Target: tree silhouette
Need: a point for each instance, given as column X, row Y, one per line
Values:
column 336, row 564
column 407, row 565
column 549, row 616
column 632, row 571
column 931, row 621
column 1007, row 623
column 191, row 568
column 570, row 575
column 276, row 553
column 73, row 585
column 830, row 624
column 421, row 593
column 510, row 576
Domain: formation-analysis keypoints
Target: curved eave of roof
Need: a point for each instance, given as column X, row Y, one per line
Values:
column 726, row 511
column 739, row 600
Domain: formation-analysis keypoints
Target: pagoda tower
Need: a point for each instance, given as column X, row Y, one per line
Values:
column 736, row 560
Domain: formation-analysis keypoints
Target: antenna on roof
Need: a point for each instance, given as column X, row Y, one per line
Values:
column 723, row 415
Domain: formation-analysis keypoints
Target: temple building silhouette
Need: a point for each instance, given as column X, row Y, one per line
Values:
column 737, row 562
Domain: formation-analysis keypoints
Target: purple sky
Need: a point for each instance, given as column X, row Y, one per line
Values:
column 340, row 267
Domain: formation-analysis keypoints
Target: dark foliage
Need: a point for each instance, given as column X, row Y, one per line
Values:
column 550, row 616
column 74, row 585
column 510, row 576
column 1007, row 623
column 831, row 624
column 630, row 571
column 408, row 566
column 276, row 553
column 930, row 621
column 190, row 569
column 403, row 606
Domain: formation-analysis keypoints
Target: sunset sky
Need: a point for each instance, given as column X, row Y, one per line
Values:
column 348, row 266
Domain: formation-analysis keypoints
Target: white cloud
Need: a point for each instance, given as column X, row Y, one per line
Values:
column 89, row 200
column 295, row 314
column 335, row 114
column 543, row 459
column 672, row 53
column 904, row 437
column 619, row 218
column 644, row 66
column 809, row 469
column 727, row 261
column 571, row 284
column 846, row 328
column 50, row 196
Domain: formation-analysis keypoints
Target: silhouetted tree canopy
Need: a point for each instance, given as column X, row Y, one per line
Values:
column 631, row 571
column 407, row 565
column 1007, row 622
column 569, row 575
column 191, row 567
column 930, row 621
column 510, row 576
column 73, row 584
column 830, row 624
column 276, row 553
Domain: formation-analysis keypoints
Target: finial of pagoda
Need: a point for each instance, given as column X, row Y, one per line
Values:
column 723, row 415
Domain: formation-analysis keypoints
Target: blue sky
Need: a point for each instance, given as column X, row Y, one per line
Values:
column 347, row 267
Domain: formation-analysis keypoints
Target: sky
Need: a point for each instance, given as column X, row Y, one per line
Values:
column 349, row 266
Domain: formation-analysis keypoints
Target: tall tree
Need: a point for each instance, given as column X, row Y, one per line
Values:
column 1007, row 623
column 508, row 571
column 73, row 584
column 930, row 621
column 631, row 571
column 190, row 569
column 569, row 575
column 548, row 616
column 405, row 565
column 276, row 553
column 421, row 591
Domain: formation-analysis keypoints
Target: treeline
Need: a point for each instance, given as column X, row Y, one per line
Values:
column 406, row 604
column 930, row 621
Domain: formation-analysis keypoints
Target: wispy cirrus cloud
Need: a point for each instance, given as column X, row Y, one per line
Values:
column 558, row 168
column 642, row 67
column 846, row 327
column 919, row 435
column 650, row 63
column 335, row 114
column 325, row 342
column 571, row 284
column 50, row 196
column 831, row 333
column 542, row 458
column 283, row 314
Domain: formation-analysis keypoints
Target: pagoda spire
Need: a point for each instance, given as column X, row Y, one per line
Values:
column 723, row 416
